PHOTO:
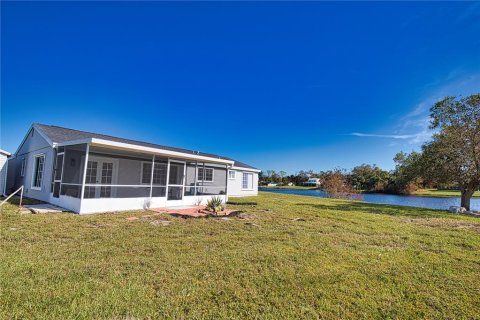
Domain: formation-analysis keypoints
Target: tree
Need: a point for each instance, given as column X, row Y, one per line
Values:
column 407, row 174
column 369, row 177
column 454, row 153
column 282, row 175
column 336, row 185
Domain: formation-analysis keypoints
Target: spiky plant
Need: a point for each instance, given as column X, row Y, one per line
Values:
column 215, row 204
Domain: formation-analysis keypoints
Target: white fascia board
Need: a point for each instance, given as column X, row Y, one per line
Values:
column 72, row 142
column 246, row 169
column 39, row 131
column 128, row 146
column 8, row 154
column 23, row 141
column 44, row 136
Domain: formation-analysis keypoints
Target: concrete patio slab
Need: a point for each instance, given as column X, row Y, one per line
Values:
column 44, row 208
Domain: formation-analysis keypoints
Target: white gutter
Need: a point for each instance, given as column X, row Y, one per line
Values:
column 158, row 151
column 246, row 169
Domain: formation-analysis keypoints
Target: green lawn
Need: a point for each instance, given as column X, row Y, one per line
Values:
column 441, row 193
column 296, row 257
column 292, row 187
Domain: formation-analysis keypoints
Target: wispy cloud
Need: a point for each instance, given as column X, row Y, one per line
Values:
column 414, row 138
column 413, row 128
column 392, row 136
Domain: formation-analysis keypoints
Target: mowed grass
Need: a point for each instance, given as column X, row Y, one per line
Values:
column 441, row 193
column 292, row 187
column 296, row 257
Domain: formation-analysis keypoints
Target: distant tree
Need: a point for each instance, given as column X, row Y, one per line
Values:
column 406, row 177
column 369, row 178
column 282, row 175
column 335, row 183
column 270, row 173
column 454, row 153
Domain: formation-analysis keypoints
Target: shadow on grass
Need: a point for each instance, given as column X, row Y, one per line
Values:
column 385, row 209
column 16, row 200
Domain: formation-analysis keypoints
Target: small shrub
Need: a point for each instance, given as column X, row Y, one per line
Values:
column 215, row 204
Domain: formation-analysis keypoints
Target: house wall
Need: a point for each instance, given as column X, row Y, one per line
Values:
column 89, row 206
column 3, row 173
column 34, row 144
column 235, row 185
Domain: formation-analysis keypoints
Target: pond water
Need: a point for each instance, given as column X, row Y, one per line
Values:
column 412, row 201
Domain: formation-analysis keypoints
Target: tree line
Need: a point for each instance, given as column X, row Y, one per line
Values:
column 451, row 160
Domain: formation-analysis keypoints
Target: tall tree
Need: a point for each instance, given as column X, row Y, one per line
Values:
column 454, row 153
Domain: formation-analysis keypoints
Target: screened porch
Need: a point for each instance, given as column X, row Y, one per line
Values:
column 97, row 174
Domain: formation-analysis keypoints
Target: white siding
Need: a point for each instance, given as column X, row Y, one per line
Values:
column 34, row 144
column 3, row 173
column 235, row 185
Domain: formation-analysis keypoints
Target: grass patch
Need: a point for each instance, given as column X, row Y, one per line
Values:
column 441, row 193
column 293, row 187
column 294, row 257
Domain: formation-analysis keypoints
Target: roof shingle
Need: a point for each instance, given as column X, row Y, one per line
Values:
column 61, row 134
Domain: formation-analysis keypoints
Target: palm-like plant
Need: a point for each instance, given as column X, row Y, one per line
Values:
column 215, row 204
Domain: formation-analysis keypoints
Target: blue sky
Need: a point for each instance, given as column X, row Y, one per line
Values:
column 284, row 86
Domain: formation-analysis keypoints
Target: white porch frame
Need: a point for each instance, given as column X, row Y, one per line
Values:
column 89, row 204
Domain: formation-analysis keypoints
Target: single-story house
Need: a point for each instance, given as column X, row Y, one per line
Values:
column 312, row 182
column 88, row 172
column 3, row 170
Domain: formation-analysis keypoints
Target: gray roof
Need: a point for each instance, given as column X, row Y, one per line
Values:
column 60, row 134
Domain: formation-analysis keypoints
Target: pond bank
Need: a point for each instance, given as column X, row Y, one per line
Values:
column 441, row 203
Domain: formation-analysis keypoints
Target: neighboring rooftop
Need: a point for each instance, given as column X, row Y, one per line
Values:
column 61, row 134
column 5, row 152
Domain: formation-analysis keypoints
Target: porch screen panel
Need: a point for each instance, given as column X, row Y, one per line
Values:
column 123, row 174
column 159, row 184
column 211, row 179
column 190, row 174
column 73, row 168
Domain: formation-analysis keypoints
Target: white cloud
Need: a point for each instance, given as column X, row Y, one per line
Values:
column 414, row 138
column 413, row 127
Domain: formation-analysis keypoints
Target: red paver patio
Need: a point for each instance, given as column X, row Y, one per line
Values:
column 196, row 211
column 192, row 211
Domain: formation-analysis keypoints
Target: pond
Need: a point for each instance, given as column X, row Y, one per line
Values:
column 412, row 201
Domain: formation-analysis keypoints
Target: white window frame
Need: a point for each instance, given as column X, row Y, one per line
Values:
column 22, row 170
column 41, row 155
column 247, row 188
column 141, row 173
column 234, row 174
column 204, row 175
column 151, row 173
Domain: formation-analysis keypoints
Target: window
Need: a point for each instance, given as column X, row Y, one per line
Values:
column 231, row 174
column 247, row 181
column 205, row 174
column 38, row 165
column 159, row 173
column 22, row 170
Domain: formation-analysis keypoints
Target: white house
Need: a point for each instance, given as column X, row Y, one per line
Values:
column 312, row 182
column 87, row 172
column 3, row 170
